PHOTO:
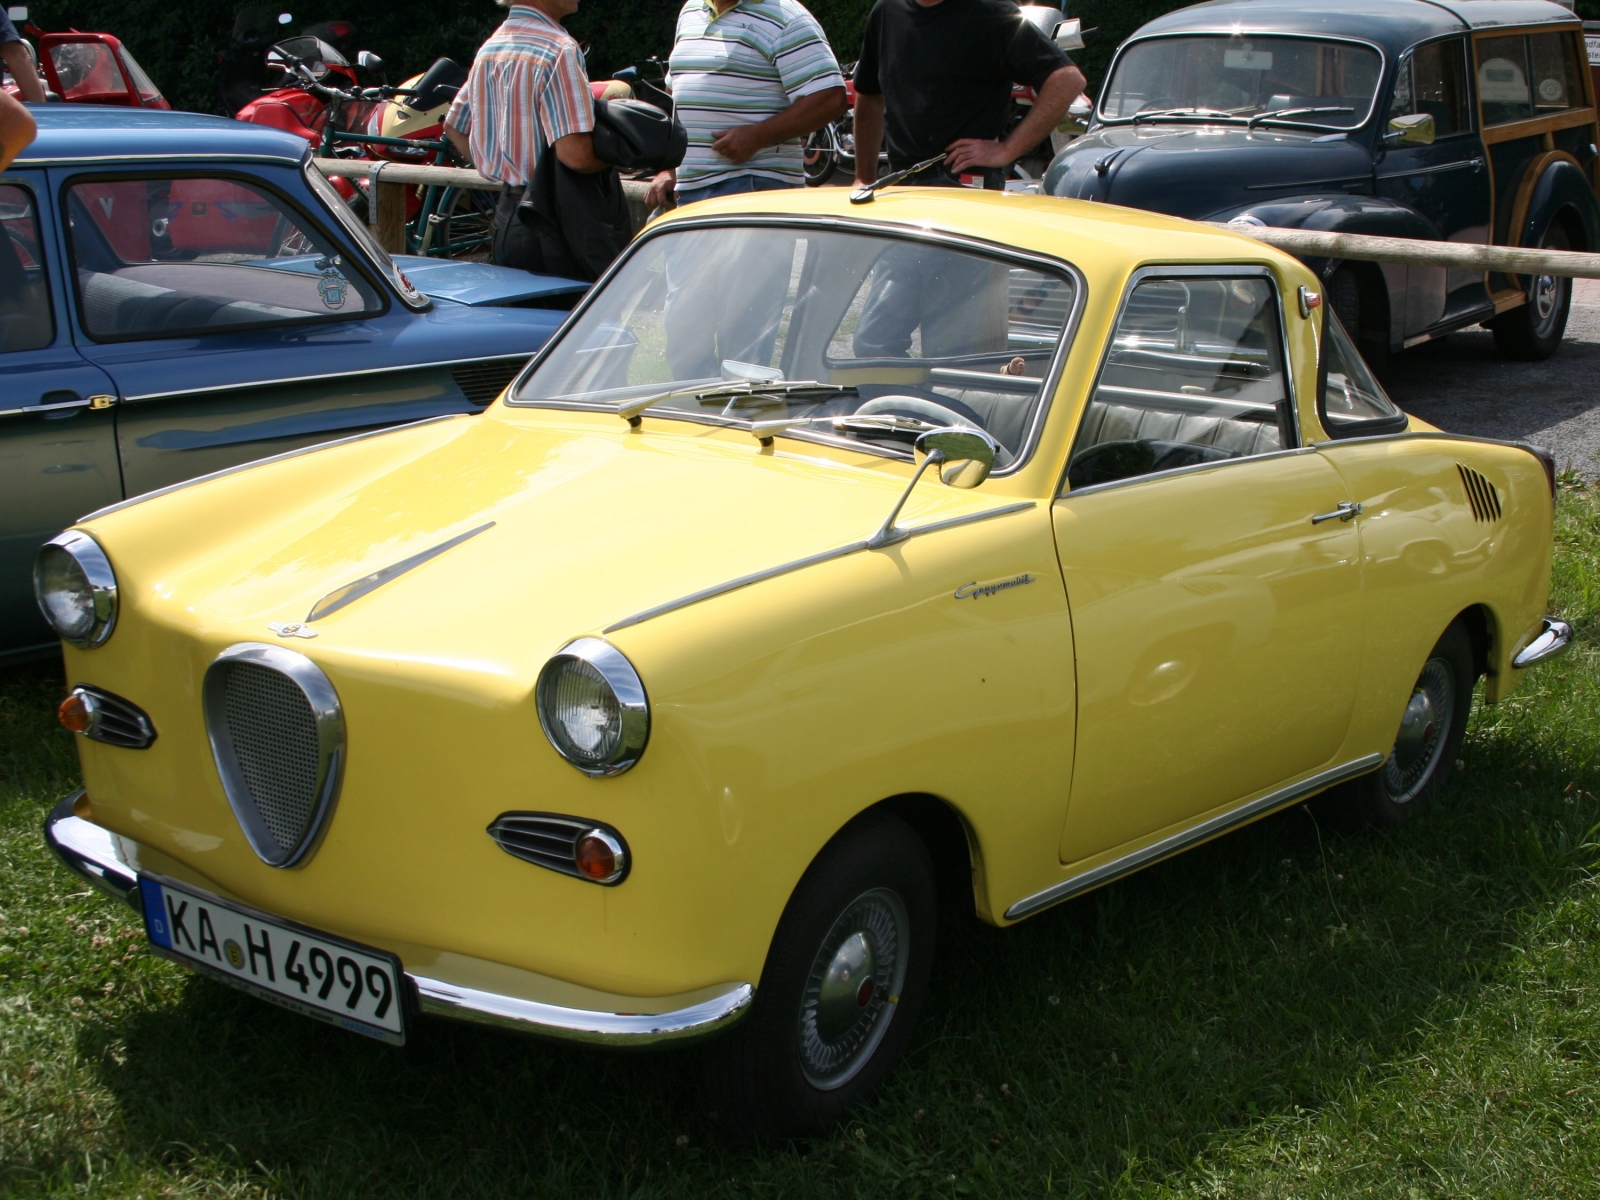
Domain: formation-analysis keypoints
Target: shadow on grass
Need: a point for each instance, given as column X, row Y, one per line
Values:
column 1264, row 973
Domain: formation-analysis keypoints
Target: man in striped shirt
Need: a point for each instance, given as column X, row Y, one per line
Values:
column 749, row 79
column 527, row 90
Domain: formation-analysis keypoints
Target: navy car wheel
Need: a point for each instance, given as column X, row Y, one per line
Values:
column 1531, row 332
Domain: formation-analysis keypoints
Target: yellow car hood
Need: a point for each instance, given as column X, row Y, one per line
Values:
column 592, row 523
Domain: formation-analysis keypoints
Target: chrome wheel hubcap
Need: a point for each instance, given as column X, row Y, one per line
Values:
column 853, row 988
column 1546, row 293
column 1420, row 744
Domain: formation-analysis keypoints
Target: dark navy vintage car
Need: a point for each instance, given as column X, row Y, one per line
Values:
column 180, row 294
column 1463, row 120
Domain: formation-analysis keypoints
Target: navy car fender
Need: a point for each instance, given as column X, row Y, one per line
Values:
column 1555, row 181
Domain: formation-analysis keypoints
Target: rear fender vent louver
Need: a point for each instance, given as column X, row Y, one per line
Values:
column 551, row 840
column 482, row 382
column 1481, row 494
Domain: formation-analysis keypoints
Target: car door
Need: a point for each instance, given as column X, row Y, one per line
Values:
column 57, row 442
column 234, row 324
column 1210, row 574
column 1446, row 180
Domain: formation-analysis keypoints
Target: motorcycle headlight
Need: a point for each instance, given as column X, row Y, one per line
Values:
column 76, row 589
column 593, row 708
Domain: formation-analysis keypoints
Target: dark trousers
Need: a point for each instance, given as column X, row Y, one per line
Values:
column 515, row 244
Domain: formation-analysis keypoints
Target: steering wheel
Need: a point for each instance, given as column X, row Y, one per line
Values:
column 949, row 412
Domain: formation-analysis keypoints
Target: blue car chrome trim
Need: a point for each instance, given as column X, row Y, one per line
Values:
column 745, row 581
column 1553, row 639
column 111, row 863
column 1169, row 846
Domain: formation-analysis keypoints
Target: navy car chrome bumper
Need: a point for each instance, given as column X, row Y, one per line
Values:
column 110, row 862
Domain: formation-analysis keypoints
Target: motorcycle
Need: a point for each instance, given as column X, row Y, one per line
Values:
column 87, row 68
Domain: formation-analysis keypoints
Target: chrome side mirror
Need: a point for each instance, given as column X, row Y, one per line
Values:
column 1411, row 129
column 368, row 61
column 964, row 456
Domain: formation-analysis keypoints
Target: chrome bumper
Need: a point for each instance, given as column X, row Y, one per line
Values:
column 1551, row 641
column 110, row 863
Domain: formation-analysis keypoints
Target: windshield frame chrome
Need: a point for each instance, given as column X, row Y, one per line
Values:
column 1050, row 382
column 1230, row 33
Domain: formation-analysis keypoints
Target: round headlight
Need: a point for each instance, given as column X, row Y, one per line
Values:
column 76, row 589
column 593, row 708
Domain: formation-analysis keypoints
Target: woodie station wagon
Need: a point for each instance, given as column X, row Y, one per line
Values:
column 829, row 552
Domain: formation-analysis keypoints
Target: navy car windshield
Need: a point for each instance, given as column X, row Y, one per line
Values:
column 1273, row 81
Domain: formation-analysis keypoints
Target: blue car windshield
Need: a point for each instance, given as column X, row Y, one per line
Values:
column 1259, row 80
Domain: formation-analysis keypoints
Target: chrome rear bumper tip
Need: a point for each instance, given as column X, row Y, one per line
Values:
column 1552, row 640
column 111, row 863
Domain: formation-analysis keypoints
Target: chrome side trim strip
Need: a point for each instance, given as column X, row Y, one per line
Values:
column 391, row 369
column 42, row 408
column 583, row 1025
column 745, row 581
column 351, row 592
column 261, row 462
column 89, row 159
column 1169, row 846
column 96, row 854
column 1553, row 640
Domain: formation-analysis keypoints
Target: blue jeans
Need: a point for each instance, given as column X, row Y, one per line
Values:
column 737, row 186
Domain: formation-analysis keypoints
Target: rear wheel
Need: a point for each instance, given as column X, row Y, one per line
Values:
column 820, row 158
column 843, row 981
column 1425, row 747
column 1532, row 331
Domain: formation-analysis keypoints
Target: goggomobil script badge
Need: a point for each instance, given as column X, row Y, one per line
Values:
column 977, row 591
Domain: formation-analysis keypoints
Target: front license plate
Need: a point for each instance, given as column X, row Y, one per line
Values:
column 312, row 973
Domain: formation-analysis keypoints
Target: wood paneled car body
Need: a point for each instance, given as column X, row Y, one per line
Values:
column 828, row 551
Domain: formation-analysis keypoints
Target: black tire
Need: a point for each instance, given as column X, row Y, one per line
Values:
column 819, row 158
column 863, row 921
column 1351, row 302
column 1426, row 746
column 1532, row 332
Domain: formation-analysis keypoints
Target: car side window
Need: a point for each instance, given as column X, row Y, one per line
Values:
column 26, row 322
column 186, row 255
column 1350, row 400
column 1194, row 374
column 1432, row 80
column 1525, row 76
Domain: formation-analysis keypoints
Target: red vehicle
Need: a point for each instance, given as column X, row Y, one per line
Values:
column 89, row 68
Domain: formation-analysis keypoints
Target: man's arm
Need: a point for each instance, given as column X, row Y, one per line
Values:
column 16, row 128
column 1064, row 85
column 869, row 136
column 576, row 152
column 20, row 63
column 459, row 140
column 806, row 115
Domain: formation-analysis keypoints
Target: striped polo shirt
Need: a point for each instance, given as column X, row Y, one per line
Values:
column 744, row 66
column 527, row 88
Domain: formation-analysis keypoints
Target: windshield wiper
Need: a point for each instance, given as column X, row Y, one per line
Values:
column 1273, row 116
column 804, row 391
column 1173, row 113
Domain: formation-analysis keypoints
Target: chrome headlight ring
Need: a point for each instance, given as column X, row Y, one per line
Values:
column 593, row 708
column 76, row 589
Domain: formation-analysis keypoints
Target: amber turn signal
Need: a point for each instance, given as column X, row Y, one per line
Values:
column 600, row 857
column 76, row 713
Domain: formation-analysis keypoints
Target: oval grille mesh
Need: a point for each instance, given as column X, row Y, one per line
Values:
column 274, row 734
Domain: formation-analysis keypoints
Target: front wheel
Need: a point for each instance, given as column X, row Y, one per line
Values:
column 1432, row 726
column 844, row 979
column 1531, row 332
column 820, row 157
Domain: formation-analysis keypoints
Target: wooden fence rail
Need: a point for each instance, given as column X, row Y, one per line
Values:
column 390, row 180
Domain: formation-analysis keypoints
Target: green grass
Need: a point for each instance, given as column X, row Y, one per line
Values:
column 1278, row 1013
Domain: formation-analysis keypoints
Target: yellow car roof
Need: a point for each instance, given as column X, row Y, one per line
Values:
column 1092, row 236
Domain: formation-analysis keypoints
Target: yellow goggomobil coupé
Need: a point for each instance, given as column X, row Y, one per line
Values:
column 831, row 560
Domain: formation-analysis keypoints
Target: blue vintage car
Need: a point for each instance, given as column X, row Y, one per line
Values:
column 1463, row 120
column 180, row 294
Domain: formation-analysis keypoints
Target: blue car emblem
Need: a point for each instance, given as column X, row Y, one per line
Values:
column 332, row 287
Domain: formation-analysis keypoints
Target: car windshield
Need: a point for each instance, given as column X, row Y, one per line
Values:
column 877, row 338
column 1263, row 80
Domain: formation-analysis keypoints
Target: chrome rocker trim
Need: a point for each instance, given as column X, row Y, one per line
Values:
column 93, row 853
column 1182, row 840
column 1553, row 640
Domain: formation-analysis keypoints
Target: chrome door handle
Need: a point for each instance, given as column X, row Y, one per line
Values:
column 1345, row 512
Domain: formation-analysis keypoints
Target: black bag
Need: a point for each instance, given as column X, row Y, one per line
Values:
column 634, row 135
column 582, row 221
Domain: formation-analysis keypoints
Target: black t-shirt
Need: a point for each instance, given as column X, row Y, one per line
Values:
column 945, row 71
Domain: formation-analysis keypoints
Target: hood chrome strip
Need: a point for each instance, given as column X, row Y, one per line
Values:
column 744, row 581
column 1168, row 846
column 351, row 592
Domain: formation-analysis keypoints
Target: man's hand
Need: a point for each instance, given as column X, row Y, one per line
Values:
column 965, row 153
column 16, row 129
column 1064, row 85
column 740, row 142
column 660, row 192
column 806, row 115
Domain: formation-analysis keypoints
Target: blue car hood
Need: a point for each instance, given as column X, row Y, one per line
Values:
column 482, row 284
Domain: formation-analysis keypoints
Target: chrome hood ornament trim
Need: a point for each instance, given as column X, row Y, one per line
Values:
column 351, row 592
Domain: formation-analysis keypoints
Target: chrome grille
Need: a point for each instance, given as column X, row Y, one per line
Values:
column 277, row 735
column 1481, row 494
